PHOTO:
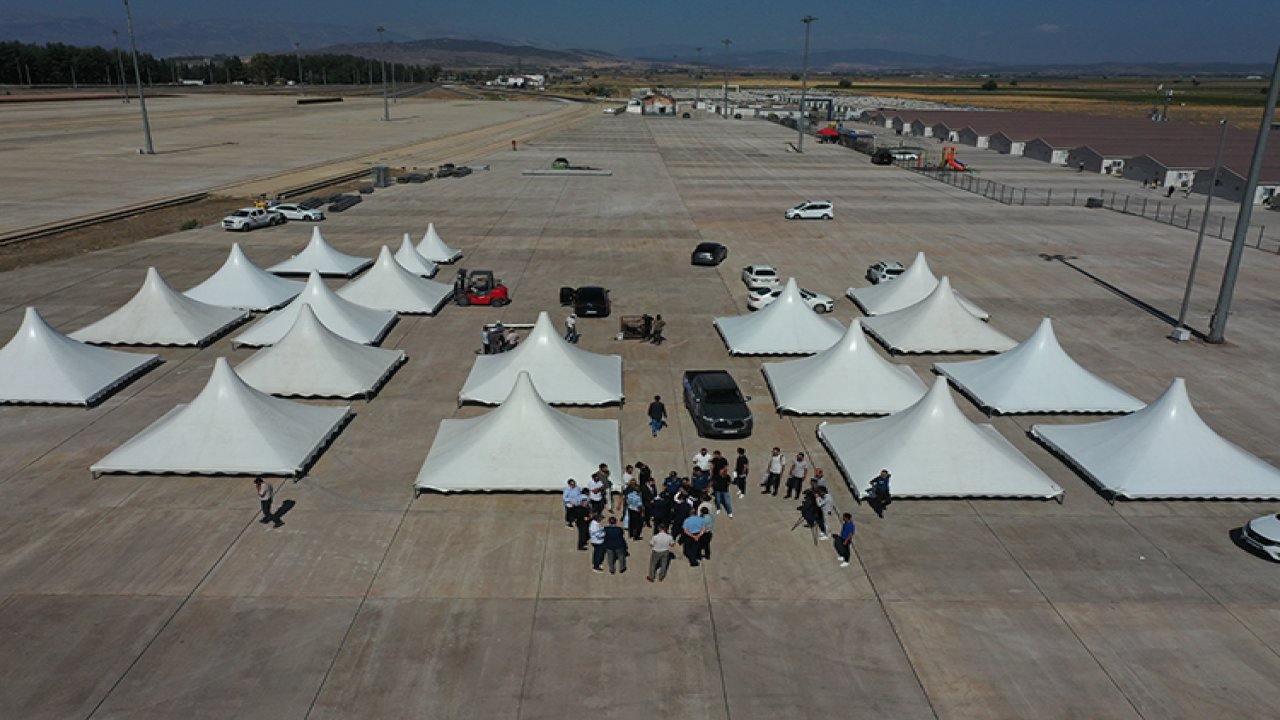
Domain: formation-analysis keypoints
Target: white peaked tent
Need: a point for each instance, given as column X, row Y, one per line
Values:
column 1038, row 376
column 44, row 367
column 937, row 324
column 240, row 283
column 913, row 285
column 848, row 378
column 412, row 260
column 354, row 322
column 564, row 374
column 311, row 361
column 389, row 286
column 159, row 315
column 229, row 429
column 787, row 326
column 319, row 256
column 522, row 445
column 932, row 450
column 1162, row 451
column 432, row 247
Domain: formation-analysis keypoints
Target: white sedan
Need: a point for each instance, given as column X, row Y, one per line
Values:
column 1263, row 534
column 760, row 276
column 297, row 212
column 817, row 302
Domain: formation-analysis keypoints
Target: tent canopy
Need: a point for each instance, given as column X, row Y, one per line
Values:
column 312, row 361
column 522, row 445
column 1163, row 451
column 913, row 285
column 937, row 324
column 932, row 450
column 239, row 283
column 319, row 256
column 432, row 247
column 44, row 367
column 228, row 429
column 787, row 326
column 412, row 260
column 564, row 374
column 848, row 378
column 349, row 320
column 159, row 315
column 1038, row 376
column 389, row 286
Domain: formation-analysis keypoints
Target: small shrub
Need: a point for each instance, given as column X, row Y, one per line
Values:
column 990, row 85
column 844, row 84
column 189, row 225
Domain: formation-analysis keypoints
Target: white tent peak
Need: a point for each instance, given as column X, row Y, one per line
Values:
column 413, row 261
column 389, row 286
column 913, row 285
column 312, row 361
column 564, row 373
column 240, row 283
column 933, row 450
column 937, row 324
column 787, row 326
column 1037, row 376
column 1164, row 450
column 522, row 445
column 321, row 257
column 353, row 322
column 229, row 428
column 849, row 377
column 433, row 248
column 159, row 315
column 42, row 366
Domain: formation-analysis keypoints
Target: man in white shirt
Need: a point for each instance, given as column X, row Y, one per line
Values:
column 596, row 531
column 702, row 460
column 595, row 493
column 795, row 479
column 773, row 471
column 660, row 560
column 266, row 493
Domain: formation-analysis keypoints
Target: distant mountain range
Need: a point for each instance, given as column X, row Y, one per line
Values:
column 460, row 48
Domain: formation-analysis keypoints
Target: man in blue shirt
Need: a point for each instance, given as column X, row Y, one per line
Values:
column 573, row 497
column 879, row 492
column 691, row 538
column 844, row 541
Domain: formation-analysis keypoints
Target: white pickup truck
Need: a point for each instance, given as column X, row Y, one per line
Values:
column 246, row 219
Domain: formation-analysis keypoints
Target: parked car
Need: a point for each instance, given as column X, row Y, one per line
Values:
column 882, row 157
column 1263, row 534
column 760, row 276
column 246, row 219
column 762, row 297
column 812, row 210
column 297, row 212
column 716, row 404
column 908, row 154
column 592, row 301
column 884, row 271
column 709, row 253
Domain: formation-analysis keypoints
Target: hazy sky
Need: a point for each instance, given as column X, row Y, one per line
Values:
column 994, row 30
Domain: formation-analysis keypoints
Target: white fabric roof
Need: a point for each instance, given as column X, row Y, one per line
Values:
column 1038, row 376
column 522, row 445
column 848, row 378
column 432, row 247
column 932, row 450
column 42, row 366
column 353, row 322
column 389, row 286
column 311, row 361
column 239, row 283
column 937, row 324
column 787, row 326
column 913, row 285
column 1162, row 451
column 229, row 429
column 159, row 315
column 320, row 256
column 412, row 260
column 564, row 374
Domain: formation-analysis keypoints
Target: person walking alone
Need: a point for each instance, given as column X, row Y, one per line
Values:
column 657, row 415
column 844, row 541
column 571, row 328
column 660, row 560
column 266, row 494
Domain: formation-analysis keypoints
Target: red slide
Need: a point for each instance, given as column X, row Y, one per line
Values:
column 955, row 164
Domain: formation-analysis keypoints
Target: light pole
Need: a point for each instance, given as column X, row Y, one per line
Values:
column 386, row 106
column 124, row 84
column 1180, row 331
column 297, row 53
column 1218, row 323
column 697, row 87
column 727, row 42
column 137, row 76
column 804, row 83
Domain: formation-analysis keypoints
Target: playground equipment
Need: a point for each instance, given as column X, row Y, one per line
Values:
column 949, row 160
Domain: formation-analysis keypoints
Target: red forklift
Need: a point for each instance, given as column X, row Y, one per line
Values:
column 479, row 287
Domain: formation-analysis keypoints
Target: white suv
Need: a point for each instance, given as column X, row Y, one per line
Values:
column 760, row 276
column 812, row 210
column 763, row 297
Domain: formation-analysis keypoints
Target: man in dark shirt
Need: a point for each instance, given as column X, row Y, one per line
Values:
column 741, row 469
column 879, row 493
column 615, row 545
column 657, row 415
column 582, row 521
column 720, row 485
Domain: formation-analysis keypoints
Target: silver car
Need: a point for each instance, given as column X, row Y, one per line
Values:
column 1263, row 534
column 297, row 212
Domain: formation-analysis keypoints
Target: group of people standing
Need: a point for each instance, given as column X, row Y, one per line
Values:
column 497, row 339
